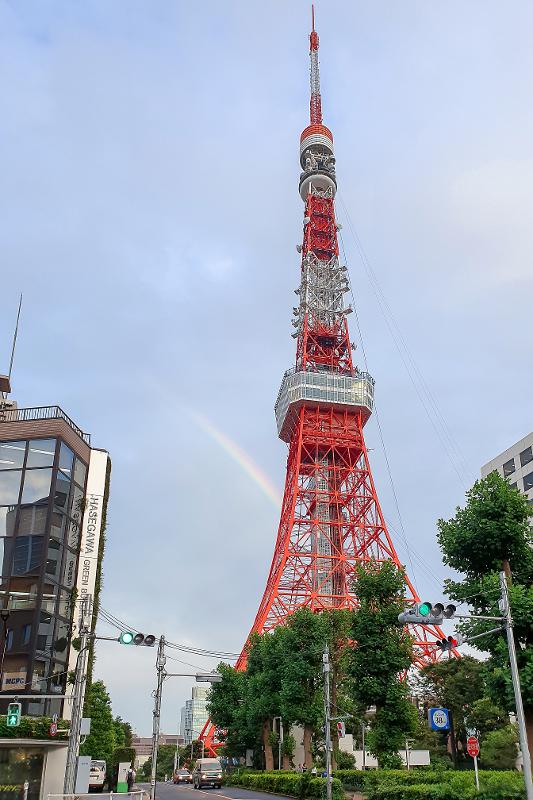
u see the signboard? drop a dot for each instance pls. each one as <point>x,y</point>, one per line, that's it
<point>472,746</point>
<point>122,779</point>
<point>82,775</point>
<point>439,719</point>
<point>52,730</point>
<point>11,681</point>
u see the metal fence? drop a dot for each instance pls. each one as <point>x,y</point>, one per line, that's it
<point>41,412</point>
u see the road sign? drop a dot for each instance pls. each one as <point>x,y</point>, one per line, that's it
<point>472,746</point>
<point>52,730</point>
<point>439,719</point>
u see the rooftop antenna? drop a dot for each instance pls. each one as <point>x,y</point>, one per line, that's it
<point>15,337</point>
<point>5,380</point>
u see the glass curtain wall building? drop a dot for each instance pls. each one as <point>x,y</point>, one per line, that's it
<point>44,467</point>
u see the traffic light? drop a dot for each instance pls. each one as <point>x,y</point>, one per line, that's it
<point>13,715</point>
<point>428,613</point>
<point>447,644</point>
<point>128,637</point>
<point>341,730</point>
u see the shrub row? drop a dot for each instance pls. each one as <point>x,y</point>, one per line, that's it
<point>428,784</point>
<point>293,784</point>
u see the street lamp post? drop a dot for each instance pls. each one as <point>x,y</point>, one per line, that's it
<point>162,674</point>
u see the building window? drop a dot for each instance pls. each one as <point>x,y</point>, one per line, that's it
<point>41,453</point>
<point>7,520</point>
<point>528,482</point>
<point>28,555</point>
<point>9,640</point>
<point>514,485</point>
<point>36,486</point>
<point>66,457</point>
<point>526,456</point>
<point>12,455</point>
<point>26,634</point>
<point>80,471</point>
<point>10,487</point>
<point>508,468</point>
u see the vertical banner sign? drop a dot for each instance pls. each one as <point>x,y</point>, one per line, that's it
<point>89,540</point>
<point>92,523</point>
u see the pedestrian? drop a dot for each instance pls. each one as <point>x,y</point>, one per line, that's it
<point>130,778</point>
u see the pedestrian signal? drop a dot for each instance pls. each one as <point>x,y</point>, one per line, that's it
<point>13,715</point>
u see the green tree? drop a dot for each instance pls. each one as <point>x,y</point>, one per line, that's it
<point>492,533</point>
<point>499,749</point>
<point>101,741</point>
<point>299,652</point>
<point>228,710</point>
<point>382,651</point>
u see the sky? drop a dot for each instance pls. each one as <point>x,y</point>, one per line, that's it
<point>149,213</point>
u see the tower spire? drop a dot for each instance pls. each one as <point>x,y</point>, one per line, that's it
<point>315,106</point>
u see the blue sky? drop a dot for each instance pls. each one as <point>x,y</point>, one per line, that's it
<point>150,211</point>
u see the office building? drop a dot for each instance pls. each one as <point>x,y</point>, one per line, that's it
<point>143,745</point>
<point>53,496</point>
<point>515,464</point>
<point>194,714</point>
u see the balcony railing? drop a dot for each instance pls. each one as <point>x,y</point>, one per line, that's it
<point>41,412</point>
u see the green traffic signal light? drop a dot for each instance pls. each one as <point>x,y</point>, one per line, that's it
<point>424,609</point>
<point>126,637</point>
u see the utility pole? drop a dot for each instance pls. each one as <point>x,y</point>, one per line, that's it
<point>327,716</point>
<point>78,696</point>
<point>522,731</point>
<point>160,668</point>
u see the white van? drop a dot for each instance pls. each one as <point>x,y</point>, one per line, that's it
<point>97,775</point>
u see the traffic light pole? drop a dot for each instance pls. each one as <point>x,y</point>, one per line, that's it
<point>522,731</point>
<point>78,695</point>
<point>327,718</point>
<point>160,668</point>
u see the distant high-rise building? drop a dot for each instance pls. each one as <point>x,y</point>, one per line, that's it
<point>53,498</point>
<point>194,714</point>
<point>515,464</point>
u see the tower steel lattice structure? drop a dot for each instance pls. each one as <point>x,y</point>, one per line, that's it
<point>331,519</point>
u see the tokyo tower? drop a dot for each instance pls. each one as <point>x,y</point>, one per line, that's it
<point>331,519</point>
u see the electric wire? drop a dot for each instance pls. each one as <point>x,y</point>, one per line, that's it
<point>444,434</point>
<point>121,625</point>
<point>389,471</point>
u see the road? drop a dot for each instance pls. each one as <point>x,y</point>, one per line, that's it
<point>168,791</point>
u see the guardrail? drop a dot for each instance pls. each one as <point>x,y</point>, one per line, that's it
<point>41,412</point>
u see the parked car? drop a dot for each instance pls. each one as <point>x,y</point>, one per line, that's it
<point>182,776</point>
<point>207,772</point>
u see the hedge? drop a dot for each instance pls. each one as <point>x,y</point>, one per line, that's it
<point>423,784</point>
<point>33,728</point>
<point>445,786</point>
<point>293,784</point>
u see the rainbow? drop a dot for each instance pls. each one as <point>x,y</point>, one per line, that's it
<point>240,457</point>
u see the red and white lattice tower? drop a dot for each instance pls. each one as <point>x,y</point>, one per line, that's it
<point>331,519</point>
